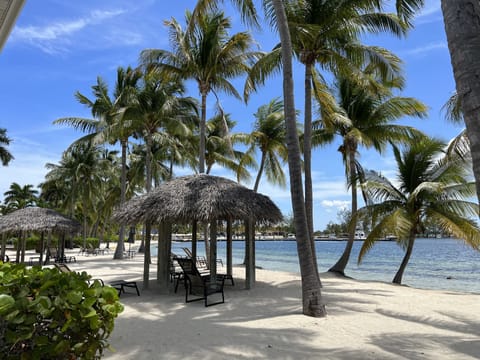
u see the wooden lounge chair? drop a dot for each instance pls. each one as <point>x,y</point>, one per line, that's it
<point>199,286</point>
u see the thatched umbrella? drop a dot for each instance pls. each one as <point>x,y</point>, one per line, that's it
<point>39,220</point>
<point>199,198</point>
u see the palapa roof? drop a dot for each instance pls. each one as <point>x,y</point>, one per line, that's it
<point>37,219</point>
<point>198,198</point>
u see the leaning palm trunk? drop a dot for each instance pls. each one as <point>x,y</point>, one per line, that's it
<point>311,288</point>
<point>463,35</point>
<point>398,276</point>
<point>342,263</point>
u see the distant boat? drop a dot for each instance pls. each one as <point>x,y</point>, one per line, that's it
<point>390,237</point>
<point>360,235</point>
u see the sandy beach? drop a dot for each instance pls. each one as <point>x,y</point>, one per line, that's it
<point>366,320</point>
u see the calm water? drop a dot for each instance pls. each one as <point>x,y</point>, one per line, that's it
<point>432,261</point>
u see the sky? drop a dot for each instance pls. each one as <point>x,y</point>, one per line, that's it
<point>59,47</point>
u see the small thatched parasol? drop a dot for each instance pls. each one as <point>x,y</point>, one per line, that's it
<point>37,219</point>
<point>201,198</point>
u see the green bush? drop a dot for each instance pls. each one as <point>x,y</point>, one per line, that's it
<point>47,314</point>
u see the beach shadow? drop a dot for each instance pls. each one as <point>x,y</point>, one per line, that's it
<point>242,328</point>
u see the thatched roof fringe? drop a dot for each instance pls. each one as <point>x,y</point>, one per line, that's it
<point>37,219</point>
<point>201,198</point>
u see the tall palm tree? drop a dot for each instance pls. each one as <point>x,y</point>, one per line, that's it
<point>161,109</point>
<point>327,33</point>
<point>5,155</point>
<point>366,116</point>
<point>269,136</point>
<point>81,172</point>
<point>19,197</point>
<point>433,185</point>
<point>206,53</point>
<point>110,124</point>
<point>311,286</point>
<point>462,31</point>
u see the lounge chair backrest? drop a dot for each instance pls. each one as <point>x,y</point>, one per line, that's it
<point>62,267</point>
<point>188,266</point>
<point>197,285</point>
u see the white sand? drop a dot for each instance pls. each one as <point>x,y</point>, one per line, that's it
<point>366,320</point>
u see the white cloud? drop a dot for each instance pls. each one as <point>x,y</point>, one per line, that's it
<point>337,204</point>
<point>59,37</point>
<point>423,50</point>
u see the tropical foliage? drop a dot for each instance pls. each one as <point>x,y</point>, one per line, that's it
<point>432,185</point>
<point>47,314</point>
<point>5,155</point>
<point>365,116</point>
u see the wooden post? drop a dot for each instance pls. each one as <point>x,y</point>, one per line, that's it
<point>229,246</point>
<point>249,255</point>
<point>213,251</point>
<point>194,241</point>
<point>163,256</point>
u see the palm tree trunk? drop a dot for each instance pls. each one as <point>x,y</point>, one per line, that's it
<point>203,125</point>
<point>260,172</point>
<point>148,226</point>
<point>307,158</point>
<point>342,263</point>
<point>462,27</point>
<point>123,185</point>
<point>84,221</point>
<point>398,276</point>
<point>311,288</point>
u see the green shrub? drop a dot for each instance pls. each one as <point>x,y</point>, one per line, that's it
<point>47,314</point>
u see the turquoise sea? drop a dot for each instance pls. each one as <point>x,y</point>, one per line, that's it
<point>445,264</point>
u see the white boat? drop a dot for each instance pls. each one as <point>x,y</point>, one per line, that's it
<point>360,235</point>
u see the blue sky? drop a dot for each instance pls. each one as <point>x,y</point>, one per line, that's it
<point>58,47</point>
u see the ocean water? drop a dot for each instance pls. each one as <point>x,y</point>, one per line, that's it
<point>446,264</point>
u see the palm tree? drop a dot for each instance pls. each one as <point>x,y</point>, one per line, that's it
<point>5,155</point>
<point>220,143</point>
<point>269,135</point>
<point>311,287</point>
<point>206,53</point>
<point>462,31</point>
<point>19,197</point>
<point>80,172</point>
<point>327,32</point>
<point>161,109</point>
<point>110,124</point>
<point>433,185</point>
<point>366,116</point>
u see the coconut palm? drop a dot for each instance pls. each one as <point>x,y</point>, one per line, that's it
<point>204,52</point>
<point>161,109</point>
<point>81,170</point>
<point>220,149</point>
<point>432,185</point>
<point>366,115</point>
<point>110,123</point>
<point>327,33</point>
<point>19,197</point>
<point>5,155</point>
<point>269,136</point>
<point>311,287</point>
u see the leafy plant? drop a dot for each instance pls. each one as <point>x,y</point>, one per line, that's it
<point>47,314</point>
